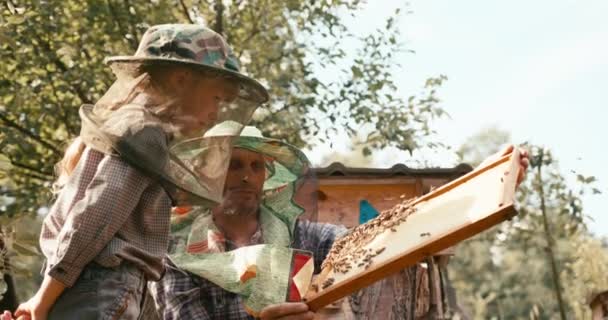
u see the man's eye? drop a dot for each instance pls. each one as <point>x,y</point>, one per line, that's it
<point>235,164</point>
<point>257,165</point>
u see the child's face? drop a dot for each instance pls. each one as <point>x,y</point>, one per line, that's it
<point>200,105</point>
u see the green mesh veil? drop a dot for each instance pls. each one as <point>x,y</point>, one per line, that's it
<point>144,123</point>
<point>267,273</point>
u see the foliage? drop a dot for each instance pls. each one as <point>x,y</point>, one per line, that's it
<point>586,273</point>
<point>52,56</point>
<point>53,53</point>
<point>485,142</point>
<point>22,259</point>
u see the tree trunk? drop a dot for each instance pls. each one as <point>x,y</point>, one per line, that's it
<point>550,242</point>
<point>219,19</point>
<point>9,299</point>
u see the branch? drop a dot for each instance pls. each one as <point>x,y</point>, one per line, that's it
<point>219,12</point>
<point>28,133</point>
<point>35,176</point>
<point>64,114</point>
<point>28,167</point>
<point>121,28</point>
<point>86,52</point>
<point>255,30</point>
<point>271,61</point>
<point>186,11</point>
<point>550,240</point>
<point>134,32</point>
<point>234,13</point>
<point>62,67</point>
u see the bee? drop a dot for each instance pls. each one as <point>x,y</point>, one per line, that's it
<point>328,282</point>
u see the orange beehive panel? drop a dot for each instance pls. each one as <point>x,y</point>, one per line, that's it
<point>339,204</point>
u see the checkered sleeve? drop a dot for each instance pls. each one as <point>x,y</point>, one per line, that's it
<point>178,295</point>
<point>108,199</point>
<point>318,238</point>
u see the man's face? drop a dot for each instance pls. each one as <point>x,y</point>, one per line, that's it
<point>201,104</point>
<point>244,182</point>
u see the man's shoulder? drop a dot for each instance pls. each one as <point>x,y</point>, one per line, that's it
<point>310,231</point>
<point>315,226</point>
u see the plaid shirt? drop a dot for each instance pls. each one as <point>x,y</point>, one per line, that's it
<point>107,212</point>
<point>182,295</point>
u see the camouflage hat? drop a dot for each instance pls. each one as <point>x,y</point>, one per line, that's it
<point>190,45</point>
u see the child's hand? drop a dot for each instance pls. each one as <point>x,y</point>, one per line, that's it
<point>32,309</point>
<point>38,307</point>
<point>8,316</point>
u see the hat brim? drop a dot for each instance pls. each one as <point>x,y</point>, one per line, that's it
<point>259,91</point>
<point>284,153</point>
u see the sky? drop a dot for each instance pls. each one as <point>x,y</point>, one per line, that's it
<point>537,69</point>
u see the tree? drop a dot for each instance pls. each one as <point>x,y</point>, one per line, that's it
<point>20,256</point>
<point>482,144</point>
<point>354,156</point>
<point>586,273</point>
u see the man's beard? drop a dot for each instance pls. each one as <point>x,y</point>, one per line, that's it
<point>230,212</point>
<point>239,210</point>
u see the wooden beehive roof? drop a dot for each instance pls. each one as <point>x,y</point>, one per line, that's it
<point>338,169</point>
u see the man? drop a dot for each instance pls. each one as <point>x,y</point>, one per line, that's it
<point>266,180</point>
<point>241,221</point>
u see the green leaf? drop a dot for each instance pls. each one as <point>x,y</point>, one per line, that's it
<point>15,20</point>
<point>366,151</point>
<point>356,72</point>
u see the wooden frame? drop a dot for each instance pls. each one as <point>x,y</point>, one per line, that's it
<point>506,167</point>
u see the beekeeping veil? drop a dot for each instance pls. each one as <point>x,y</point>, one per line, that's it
<point>273,270</point>
<point>146,122</point>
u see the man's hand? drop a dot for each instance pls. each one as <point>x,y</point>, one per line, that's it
<point>523,163</point>
<point>287,311</point>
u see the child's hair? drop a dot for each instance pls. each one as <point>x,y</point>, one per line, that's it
<point>115,97</point>
<point>65,167</point>
<point>131,81</point>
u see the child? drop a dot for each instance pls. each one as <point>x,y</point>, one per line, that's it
<point>108,230</point>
